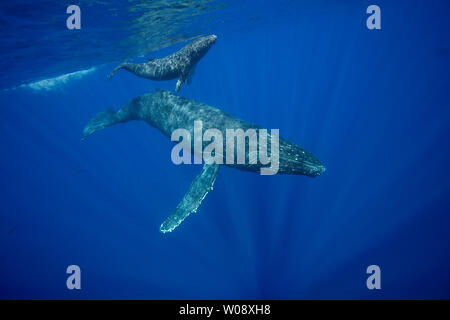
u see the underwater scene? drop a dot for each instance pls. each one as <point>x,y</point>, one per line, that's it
<point>224,149</point>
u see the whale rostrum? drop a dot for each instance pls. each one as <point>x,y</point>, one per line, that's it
<point>168,112</point>
<point>179,65</point>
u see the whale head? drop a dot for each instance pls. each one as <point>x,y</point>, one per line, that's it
<point>202,45</point>
<point>210,40</point>
<point>206,41</point>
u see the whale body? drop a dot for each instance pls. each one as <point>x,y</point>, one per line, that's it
<point>167,112</point>
<point>180,64</point>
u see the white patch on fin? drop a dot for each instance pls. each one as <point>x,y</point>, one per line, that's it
<point>179,85</point>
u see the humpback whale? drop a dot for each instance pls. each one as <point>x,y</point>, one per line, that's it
<point>180,64</point>
<point>167,112</point>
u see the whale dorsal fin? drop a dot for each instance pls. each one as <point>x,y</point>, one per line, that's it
<point>198,190</point>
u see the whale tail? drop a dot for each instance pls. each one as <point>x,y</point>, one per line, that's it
<point>100,121</point>
<point>115,70</point>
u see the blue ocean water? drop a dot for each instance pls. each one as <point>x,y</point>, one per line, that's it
<point>372,105</point>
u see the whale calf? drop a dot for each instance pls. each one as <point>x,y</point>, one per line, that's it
<point>180,64</point>
<point>167,112</point>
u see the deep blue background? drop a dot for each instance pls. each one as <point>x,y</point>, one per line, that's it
<point>373,106</point>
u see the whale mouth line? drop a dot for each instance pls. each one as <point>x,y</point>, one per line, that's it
<point>318,169</point>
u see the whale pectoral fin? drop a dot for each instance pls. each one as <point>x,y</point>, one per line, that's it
<point>179,85</point>
<point>198,190</point>
<point>191,74</point>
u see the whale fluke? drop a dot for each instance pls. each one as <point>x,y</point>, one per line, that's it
<point>114,71</point>
<point>198,190</point>
<point>100,121</point>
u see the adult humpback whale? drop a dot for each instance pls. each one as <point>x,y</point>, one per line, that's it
<point>167,112</point>
<point>180,64</point>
